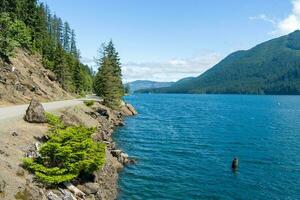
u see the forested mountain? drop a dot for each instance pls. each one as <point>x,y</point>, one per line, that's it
<point>30,25</point>
<point>145,84</point>
<point>272,67</point>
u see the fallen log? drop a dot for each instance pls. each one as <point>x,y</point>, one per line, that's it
<point>67,195</point>
<point>52,196</point>
<point>75,190</point>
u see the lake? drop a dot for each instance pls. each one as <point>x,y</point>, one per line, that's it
<point>184,146</point>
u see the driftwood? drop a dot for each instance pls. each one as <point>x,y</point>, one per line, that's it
<point>75,190</point>
<point>67,195</point>
<point>37,147</point>
<point>1,81</point>
<point>52,196</point>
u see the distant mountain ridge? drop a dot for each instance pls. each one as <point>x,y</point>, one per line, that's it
<point>272,67</point>
<point>145,84</point>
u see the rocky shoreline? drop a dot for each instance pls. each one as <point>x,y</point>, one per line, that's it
<point>102,184</point>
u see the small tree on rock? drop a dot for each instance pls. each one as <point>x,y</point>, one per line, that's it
<point>108,81</point>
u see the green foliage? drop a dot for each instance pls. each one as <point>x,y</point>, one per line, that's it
<point>108,81</point>
<point>13,33</point>
<point>30,25</point>
<point>272,67</point>
<point>54,121</point>
<point>89,103</point>
<point>69,152</point>
<point>127,89</point>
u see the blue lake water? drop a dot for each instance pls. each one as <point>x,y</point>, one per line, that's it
<point>184,145</point>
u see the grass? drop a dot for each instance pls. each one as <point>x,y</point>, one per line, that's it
<point>89,103</point>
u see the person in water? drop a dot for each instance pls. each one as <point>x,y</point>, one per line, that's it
<point>235,164</point>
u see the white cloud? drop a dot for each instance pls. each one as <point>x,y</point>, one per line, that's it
<point>285,25</point>
<point>291,22</point>
<point>264,17</point>
<point>171,70</point>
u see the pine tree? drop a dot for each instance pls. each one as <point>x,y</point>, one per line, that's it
<point>113,55</point>
<point>59,31</point>
<point>77,77</point>
<point>59,63</point>
<point>73,49</point>
<point>66,37</point>
<point>29,24</point>
<point>108,81</point>
<point>40,28</point>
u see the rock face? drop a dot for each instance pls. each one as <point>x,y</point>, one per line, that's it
<point>25,78</point>
<point>35,113</point>
<point>128,110</point>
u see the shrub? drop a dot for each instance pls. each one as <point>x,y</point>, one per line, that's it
<point>89,103</point>
<point>54,121</point>
<point>69,152</point>
<point>13,33</point>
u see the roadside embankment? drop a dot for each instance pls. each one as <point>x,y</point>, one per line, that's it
<point>20,138</point>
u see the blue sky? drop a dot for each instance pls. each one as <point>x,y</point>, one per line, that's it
<point>166,40</point>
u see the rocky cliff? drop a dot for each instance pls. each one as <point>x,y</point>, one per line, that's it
<point>25,78</point>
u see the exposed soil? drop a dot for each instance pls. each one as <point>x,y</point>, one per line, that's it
<point>26,78</point>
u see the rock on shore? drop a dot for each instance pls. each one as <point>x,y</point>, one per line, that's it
<point>102,185</point>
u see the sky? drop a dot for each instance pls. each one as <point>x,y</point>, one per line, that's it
<point>166,40</point>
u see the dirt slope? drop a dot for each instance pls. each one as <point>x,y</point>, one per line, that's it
<point>25,78</point>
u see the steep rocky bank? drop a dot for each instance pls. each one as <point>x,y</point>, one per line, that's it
<point>25,78</point>
<point>19,138</point>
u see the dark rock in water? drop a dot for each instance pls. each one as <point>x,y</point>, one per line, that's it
<point>121,123</point>
<point>122,157</point>
<point>235,164</point>
<point>35,113</point>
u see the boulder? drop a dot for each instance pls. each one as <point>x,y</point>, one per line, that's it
<point>89,188</point>
<point>122,157</point>
<point>105,112</point>
<point>51,76</point>
<point>35,113</point>
<point>128,110</point>
<point>67,120</point>
<point>131,108</point>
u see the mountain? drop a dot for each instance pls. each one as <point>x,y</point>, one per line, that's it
<point>272,67</point>
<point>144,84</point>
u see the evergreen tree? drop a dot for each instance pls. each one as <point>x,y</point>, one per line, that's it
<point>73,47</point>
<point>78,80</point>
<point>29,24</point>
<point>59,63</point>
<point>66,37</point>
<point>40,27</point>
<point>59,31</point>
<point>108,81</point>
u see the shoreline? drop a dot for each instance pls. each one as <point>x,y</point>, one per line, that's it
<point>20,137</point>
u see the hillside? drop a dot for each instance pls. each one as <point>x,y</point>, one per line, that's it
<point>25,77</point>
<point>47,42</point>
<point>145,84</point>
<point>272,67</point>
